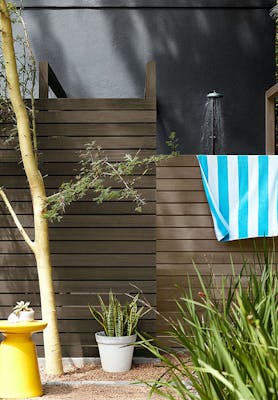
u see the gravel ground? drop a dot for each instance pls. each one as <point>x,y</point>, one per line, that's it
<point>138,372</point>
<point>76,383</point>
<point>94,392</point>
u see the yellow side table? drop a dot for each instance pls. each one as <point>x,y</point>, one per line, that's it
<point>19,372</point>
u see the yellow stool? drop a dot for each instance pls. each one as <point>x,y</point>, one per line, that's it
<point>19,372</point>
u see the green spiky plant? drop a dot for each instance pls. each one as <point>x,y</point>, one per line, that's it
<point>232,341</point>
<point>115,319</point>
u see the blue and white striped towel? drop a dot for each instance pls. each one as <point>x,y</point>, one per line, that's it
<point>242,192</point>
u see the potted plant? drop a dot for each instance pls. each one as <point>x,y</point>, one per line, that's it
<point>21,312</point>
<point>119,323</point>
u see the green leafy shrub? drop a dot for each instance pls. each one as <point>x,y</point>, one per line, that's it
<point>233,342</point>
<point>173,144</point>
<point>118,320</point>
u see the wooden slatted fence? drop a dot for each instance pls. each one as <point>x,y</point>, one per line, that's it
<point>94,248</point>
<point>185,233</point>
<point>98,247</point>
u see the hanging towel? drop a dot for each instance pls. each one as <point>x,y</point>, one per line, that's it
<point>242,193</point>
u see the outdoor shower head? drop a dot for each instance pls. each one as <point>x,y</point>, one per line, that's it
<point>214,95</point>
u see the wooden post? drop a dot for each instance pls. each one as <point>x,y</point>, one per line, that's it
<point>48,79</point>
<point>150,85</point>
<point>43,80</point>
<point>270,94</point>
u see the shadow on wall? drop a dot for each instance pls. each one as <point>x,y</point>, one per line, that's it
<point>103,52</point>
<point>47,45</point>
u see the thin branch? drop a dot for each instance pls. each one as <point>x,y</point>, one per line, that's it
<point>138,199</point>
<point>16,221</point>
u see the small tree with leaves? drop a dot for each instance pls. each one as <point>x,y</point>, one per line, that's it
<point>94,172</point>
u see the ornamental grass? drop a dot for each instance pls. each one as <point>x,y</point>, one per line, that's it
<point>231,334</point>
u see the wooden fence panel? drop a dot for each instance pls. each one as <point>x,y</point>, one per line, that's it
<point>94,248</point>
<point>185,233</point>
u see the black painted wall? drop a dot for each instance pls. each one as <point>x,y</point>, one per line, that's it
<point>99,48</point>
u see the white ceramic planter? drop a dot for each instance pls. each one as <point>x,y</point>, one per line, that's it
<point>23,316</point>
<point>26,316</point>
<point>115,352</point>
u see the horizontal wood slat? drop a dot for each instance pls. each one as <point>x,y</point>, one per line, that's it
<point>185,233</point>
<point>208,245</point>
<point>83,260</point>
<point>62,286</point>
<point>81,273</point>
<point>167,196</point>
<point>98,221</point>
<point>86,234</point>
<point>94,104</point>
<point>169,282</point>
<point>178,172</point>
<point>72,156</point>
<point>75,143</point>
<point>84,247</point>
<point>179,184</point>
<point>71,299</point>
<point>202,257</point>
<point>189,269</point>
<point>181,221</point>
<point>90,130</point>
<point>117,116</point>
<point>183,209</point>
<point>85,207</point>
<point>95,248</point>
<point>179,161</point>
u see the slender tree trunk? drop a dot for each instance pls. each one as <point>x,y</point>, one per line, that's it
<point>40,246</point>
<point>52,347</point>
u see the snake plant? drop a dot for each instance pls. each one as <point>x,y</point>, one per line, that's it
<point>116,319</point>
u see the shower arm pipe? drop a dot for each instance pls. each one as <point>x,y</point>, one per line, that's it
<point>270,96</point>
